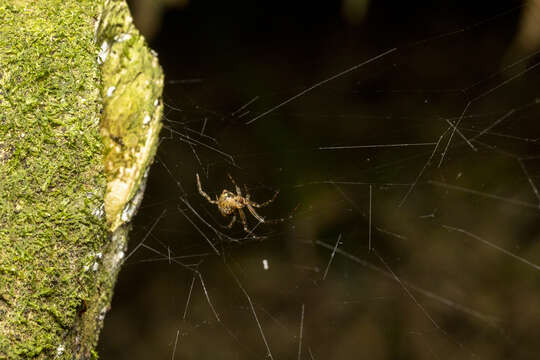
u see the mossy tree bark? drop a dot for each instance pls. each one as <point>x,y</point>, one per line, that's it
<point>80,116</point>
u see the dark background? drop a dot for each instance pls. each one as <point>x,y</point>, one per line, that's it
<point>458,296</point>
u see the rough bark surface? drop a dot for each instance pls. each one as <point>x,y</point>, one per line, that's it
<point>80,116</point>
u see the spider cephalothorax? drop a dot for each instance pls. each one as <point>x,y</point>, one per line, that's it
<point>229,202</point>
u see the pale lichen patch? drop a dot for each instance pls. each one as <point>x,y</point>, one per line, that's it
<point>131,120</point>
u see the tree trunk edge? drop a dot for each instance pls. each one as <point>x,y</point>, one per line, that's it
<point>80,114</point>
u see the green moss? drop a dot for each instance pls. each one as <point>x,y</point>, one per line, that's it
<point>58,257</point>
<point>51,172</point>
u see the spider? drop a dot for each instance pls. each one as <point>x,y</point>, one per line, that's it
<point>228,203</point>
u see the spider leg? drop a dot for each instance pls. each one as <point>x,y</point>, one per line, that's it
<point>232,222</point>
<point>201,191</point>
<point>238,191</point>
<point>275,221</point>
<point>243,220</point>
<point>254,204</point>
<point>254,213</point>
<point>250,205</point>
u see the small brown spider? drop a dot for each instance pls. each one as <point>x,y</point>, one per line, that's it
<point>228,203</point>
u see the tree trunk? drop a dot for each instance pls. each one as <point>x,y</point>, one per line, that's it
<point>80,111</point>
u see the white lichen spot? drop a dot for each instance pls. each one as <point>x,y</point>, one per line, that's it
<point>146,119</point>
<point>125,214</point>
<point>128,212</point>
<point>103,52</point>
<point>118,258</point>
<point>110,90</point>
<point>122,37</point>
<point>102,313</point>
<point>99,212</point>
<point>60,350</point>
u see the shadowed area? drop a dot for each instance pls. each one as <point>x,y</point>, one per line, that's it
<point>408,187</point>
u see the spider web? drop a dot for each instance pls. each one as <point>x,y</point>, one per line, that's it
<point>408,166</point>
